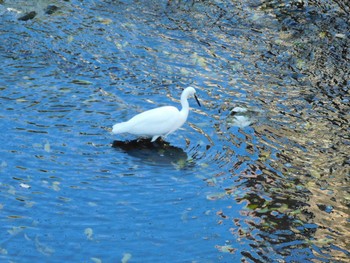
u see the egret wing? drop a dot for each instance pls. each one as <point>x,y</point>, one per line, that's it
<point>159,121</point>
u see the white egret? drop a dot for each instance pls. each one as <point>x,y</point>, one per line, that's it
<point>158,122</point>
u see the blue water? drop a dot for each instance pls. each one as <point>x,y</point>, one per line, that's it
<point>216,192</point>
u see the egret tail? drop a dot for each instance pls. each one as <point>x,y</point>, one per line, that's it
<point>120,128</point>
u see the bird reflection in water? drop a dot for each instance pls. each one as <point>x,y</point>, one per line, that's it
<point>157,153</point>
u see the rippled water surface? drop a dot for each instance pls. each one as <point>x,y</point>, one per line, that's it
<point>259,173</point>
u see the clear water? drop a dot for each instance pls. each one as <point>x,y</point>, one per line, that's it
<point>269,183</point>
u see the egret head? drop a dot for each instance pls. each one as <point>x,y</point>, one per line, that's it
<point>189,92</point>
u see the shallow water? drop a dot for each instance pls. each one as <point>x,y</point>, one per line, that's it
<point>258,174</point>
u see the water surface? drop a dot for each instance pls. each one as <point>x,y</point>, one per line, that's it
<point>258,174</point>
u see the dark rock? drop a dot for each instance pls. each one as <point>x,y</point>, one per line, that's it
<point>50,9</point>
<point>27,16</point>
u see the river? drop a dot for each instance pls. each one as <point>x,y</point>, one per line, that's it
<point>259,173</point>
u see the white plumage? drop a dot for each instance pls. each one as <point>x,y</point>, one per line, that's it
<point>158,122</point>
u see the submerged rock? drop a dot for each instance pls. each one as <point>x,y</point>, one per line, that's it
<point>28,16</point>
<point>50,9</point>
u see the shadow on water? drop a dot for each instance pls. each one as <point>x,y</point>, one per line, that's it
<point>154,153</point>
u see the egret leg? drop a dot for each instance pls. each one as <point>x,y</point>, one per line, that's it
<point>155,137</point>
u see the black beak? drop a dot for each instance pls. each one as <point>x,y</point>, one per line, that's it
<point>197,100</point>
